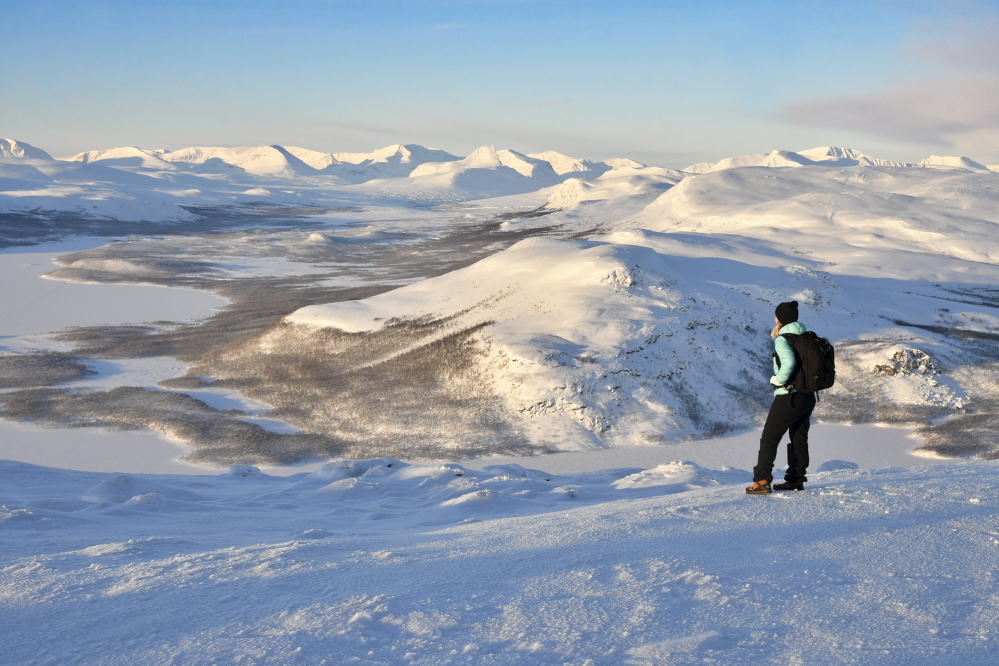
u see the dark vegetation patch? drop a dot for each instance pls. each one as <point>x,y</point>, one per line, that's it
<point>216,436</point>
<point>411,388</point>
<point>28,370</point>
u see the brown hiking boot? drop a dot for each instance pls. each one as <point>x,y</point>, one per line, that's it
<point>759,488</point>
<point>789,485</point>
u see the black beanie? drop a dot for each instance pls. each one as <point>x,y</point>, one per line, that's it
<point>787,312</point>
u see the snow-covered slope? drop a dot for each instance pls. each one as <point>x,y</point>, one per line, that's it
<point>12,149</point>
<point>583,203</point>
<point>611,185</point>
<point>842,215</point>
<point>379,562</point>
<point>642,339</point>
<point>658,331</point>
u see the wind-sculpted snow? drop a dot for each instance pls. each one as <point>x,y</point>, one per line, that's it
<point>378,561</point>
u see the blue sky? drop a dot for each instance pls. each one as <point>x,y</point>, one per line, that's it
<point>667,83</point>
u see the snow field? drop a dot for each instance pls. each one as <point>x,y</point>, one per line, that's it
<point>375,562</point>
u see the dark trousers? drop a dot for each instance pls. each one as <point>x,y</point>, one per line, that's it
<point>787,413</point>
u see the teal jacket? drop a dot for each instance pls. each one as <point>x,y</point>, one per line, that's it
<point>786,355</point>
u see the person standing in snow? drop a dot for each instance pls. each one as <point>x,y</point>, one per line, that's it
<point>790,411</point>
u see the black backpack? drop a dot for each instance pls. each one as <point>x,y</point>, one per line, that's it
<point>815,362</point>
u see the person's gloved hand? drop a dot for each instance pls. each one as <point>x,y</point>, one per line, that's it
<point>773,380</point>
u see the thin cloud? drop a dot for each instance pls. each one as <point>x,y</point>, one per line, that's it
<point>368,128</point>
<point>956,109</point>
<point>941,112</point>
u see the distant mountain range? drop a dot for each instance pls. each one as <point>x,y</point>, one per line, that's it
<point>407,161</point>
<point>133,183</point>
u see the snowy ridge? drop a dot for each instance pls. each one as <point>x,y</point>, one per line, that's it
<point>410,155</point>
<point>397,161</point>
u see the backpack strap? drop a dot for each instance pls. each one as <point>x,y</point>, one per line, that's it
<point>790,338</point>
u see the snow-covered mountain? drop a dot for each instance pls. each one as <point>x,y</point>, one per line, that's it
<point>313,158</point>
<point>396,161</point>
<point>253,160</point>
<point>485,173</point>
<point>9,148</point>
<point>900,210</point>
<point>215,175</point>
<point>951,162</point>
<point>831,156</point>
<point>274,161</point>
<point>125,157</point>
<point>93,190</point>
<point>824,156</point>
<point>619,192</point>
<point>571,166</point>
